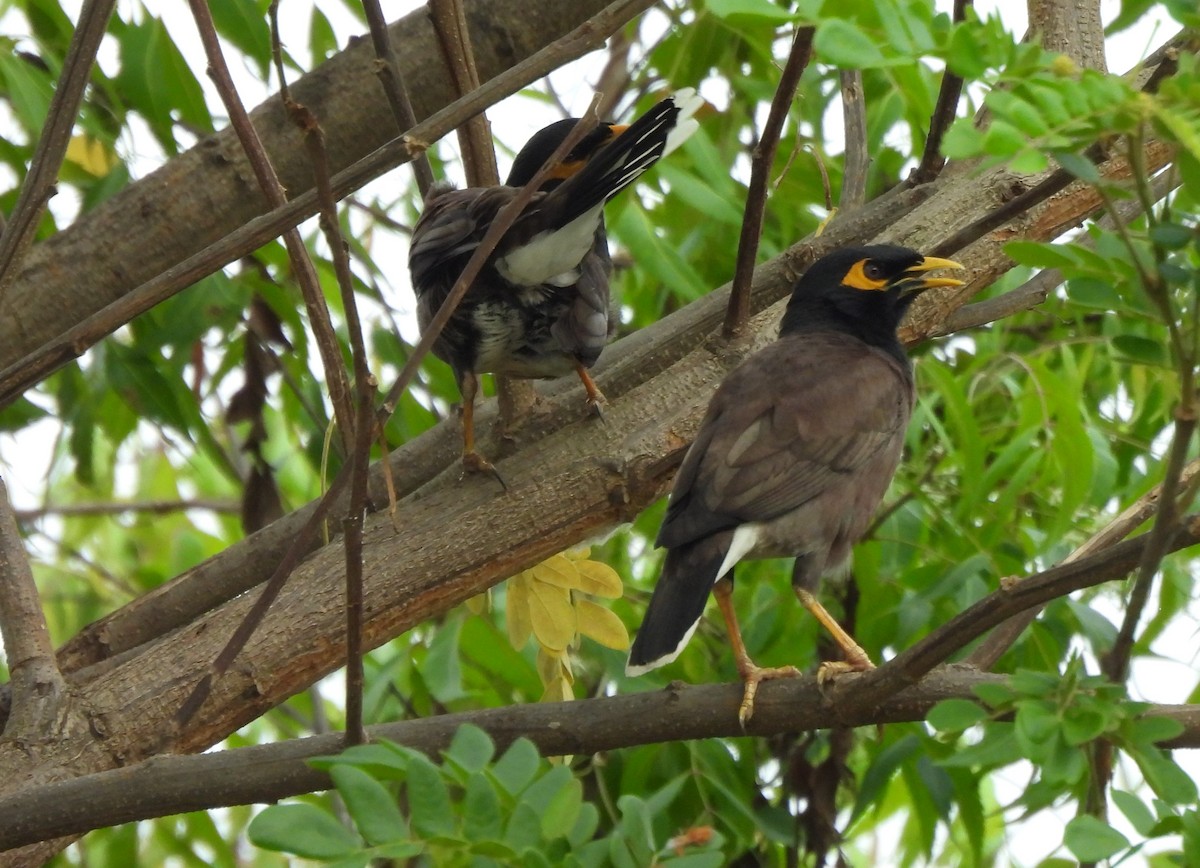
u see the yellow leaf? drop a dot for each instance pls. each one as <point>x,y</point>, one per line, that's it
<point>559,571</point>
<point>552,665</point>
<point>578,553</point>
<point>552,615</point>
<point>90,155</point>
<point>480,603</point>
<point>516,611</point>
<point>599,580</point>
<point>558,690</point>
<point>602,625</point>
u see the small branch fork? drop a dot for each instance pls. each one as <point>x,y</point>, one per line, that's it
<point>39,691</point>
<point>760,174</point>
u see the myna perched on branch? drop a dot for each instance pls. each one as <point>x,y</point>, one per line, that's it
<point>795,453</point>
<point>540,307</point>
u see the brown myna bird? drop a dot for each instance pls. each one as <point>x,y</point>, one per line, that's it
<point>795,452</point>
<point>540,307</point>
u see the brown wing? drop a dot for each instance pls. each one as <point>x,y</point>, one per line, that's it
<point>783,427</point>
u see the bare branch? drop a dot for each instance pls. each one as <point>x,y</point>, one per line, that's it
<point>38,688</point>
<point>475,136</point>
<point>39,184</point>
<point>388,70</point>
<point>909,666</point>
<point>760,175</point>
<point>857,161</point>
<point>944,112</point>
<point>272,189</point>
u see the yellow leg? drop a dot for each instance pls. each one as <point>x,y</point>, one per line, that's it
<point>595,398</point>
<point>856,658</point>
<point>750,672</point>
<point>472,461</point>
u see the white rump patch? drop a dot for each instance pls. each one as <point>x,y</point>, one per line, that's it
<point>553,256</point>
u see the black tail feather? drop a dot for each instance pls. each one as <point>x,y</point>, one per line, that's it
<point>615,166</point>
<point>679,597</point>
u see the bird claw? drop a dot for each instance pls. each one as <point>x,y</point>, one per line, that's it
<point>473,462</point>
<point>828,671</point>
<point>750,682</point>
<point>596,405</point>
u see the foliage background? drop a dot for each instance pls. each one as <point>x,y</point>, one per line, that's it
<point>209,413</point>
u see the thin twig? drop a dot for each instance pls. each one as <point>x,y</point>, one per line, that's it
<point>38,687</point>
<point>475,136</point>
<point>272,190</point>
<point>152,507</point>
<point>1115,664</point>
<point>388,70</point>
<point>39,364</point>
<point>857,161</point>
<point>944,112</point>
<point>760,175</point>
<point>364,395</point>
<point>39,184</point>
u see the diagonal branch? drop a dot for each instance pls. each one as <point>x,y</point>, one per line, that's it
<point>760,174</point>
<point>909,666</point>
<point>39,185</point>
<point>272,189</point>
<point>388,70</point>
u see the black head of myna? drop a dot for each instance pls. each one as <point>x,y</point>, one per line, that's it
<point>540,307</point>
<point>794,454</point>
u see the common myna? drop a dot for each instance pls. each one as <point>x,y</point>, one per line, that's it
<point>540,307</point>
<point>795,452</point>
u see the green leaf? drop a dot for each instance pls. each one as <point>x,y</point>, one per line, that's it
<point>1091,840</point>
<point>761,9</point>
<point>1139,816</point>
<point>371,806</point>
<point>880,772</point>
<point>1080,727</point>
<point>27,88</point>
<point>243,23</point>
<point>1079,166</point>
<point>428,799</point>
<point>1169,782</point>
<point>482,817</point>
<point>955,715</point>
<point>1142,350</point>
<point>841,43</point>
<point>442,669</point>
<point>560,815</point>
<point>302,829</point>
<point>519,765</point>
<point>471,748</point>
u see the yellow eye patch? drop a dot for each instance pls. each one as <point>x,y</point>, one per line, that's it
<point>856,277</point>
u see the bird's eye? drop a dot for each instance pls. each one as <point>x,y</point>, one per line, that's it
<point>874,271</point>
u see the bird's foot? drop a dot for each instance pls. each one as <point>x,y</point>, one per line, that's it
<point>596,403</point>
<point>751,677</point>
<point>473,462</point>
<point>831,669</point>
